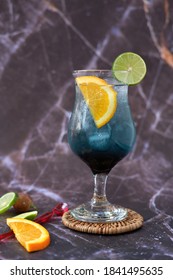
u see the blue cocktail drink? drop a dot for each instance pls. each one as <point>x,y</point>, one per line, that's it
<point>102,148</point>
<point>100,143</point>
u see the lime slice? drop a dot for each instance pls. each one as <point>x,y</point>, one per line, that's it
<point>7,200</point>
<point>129,68</point>
<point>27,215</point>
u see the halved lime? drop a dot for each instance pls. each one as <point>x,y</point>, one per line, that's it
<point>27,215</point>
<point>129,68</point>
<point>7,200</point>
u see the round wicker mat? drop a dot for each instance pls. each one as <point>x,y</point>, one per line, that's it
<point>132,222</point>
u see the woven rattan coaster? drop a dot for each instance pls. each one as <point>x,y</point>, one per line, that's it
<point>132,222</point>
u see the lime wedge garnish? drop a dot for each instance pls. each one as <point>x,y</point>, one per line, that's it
<point>7,200</point>
<point>27,215</point>
<point>129,68</point>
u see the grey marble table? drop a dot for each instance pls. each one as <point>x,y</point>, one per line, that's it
<point>41,43</point>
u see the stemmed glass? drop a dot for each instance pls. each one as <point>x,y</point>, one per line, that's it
<point>101,148</point>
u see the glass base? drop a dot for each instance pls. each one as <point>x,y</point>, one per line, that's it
<point>99,214</point>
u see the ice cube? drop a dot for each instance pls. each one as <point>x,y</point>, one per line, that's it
<point>100,139</point>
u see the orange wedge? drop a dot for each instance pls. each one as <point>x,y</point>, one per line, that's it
<point>31,235</point>
<point>100,97</point>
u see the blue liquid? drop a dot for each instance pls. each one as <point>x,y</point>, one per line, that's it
<point>102,148</point>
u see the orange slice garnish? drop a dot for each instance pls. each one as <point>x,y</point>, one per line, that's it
<point>100,97</point>
<point>31,235</point>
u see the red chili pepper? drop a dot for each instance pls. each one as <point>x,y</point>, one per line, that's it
<point>58,210</point>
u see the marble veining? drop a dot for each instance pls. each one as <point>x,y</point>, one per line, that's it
<point>41,43</point>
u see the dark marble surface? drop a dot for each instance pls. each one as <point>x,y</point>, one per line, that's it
<point>41,42</point>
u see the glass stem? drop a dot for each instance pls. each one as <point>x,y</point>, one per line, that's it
<point>99,198</point>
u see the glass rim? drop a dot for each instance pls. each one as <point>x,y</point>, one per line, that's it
<point>96,70</point>
<point>101,73</point>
